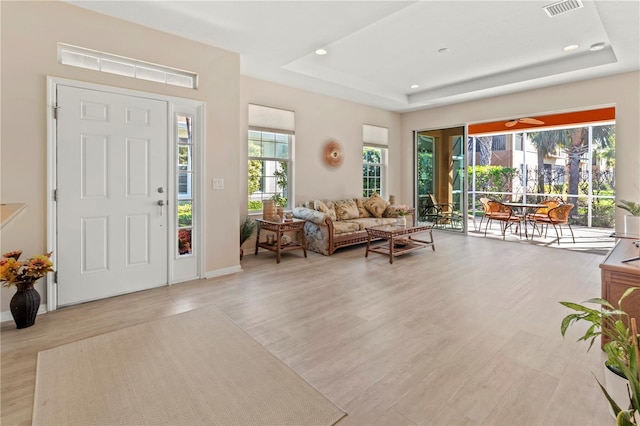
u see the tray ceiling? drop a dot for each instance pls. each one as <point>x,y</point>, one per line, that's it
<point>455,51</point>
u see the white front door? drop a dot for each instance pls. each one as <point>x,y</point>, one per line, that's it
<point>111,179</point>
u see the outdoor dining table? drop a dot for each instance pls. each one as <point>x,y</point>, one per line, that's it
<point>524,209</point>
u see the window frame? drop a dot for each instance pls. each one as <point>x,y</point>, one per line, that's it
<point>290,136</point>
<point>382,165</point>
<point>185,232</point>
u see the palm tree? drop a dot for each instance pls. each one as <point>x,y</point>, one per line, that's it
<point>546,143</point>
<point>604,136</point>
<point>483,147</point>
<point>576,148</point>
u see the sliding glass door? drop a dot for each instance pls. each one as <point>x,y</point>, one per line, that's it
<point>440,177</point>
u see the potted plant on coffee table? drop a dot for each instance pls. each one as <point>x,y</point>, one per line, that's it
<point>402,211</point>
<point>622,349</point>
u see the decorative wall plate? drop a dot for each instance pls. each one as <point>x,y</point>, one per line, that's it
<point>333,154</point>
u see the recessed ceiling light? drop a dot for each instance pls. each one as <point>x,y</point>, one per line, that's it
<point>443,50</point>
<point>321,52</point>
<point>597,46</point>
<point>415,86</point>
<point>571,47</point>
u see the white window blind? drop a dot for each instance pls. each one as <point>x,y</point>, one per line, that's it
<point>274,119</point>
<point>375,135</point>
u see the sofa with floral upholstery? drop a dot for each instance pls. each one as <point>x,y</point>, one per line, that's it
<point>332,224</point>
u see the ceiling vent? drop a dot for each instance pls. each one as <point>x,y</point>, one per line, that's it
<point>561,7</point>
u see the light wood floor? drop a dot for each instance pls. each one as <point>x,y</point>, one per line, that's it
<point>468,334</point>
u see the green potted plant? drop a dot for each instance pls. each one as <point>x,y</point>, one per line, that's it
<point>621,347</point>
<point>632,220</point>
<point>247,228</point>
<point>630,206</point>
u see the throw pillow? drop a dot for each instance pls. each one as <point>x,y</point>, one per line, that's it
<point>322,206</point>
<point>376,205</point>
<point>346,209</point>
<point>362,210</point>
<point>332,209</point>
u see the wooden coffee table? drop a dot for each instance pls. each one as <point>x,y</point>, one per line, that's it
<point>279,228</point>
<point>399,239</point>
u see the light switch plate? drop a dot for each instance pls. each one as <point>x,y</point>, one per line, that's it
<point>218,183</point>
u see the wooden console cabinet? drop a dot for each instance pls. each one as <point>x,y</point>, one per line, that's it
<point>617,276</point>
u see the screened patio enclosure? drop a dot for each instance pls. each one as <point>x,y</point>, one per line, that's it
<point>573,162</point>
<point>566,156</point>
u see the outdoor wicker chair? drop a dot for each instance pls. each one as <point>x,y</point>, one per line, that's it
<point>487,212</point>
<point>504,215</point>
<point>438,213</point>
<point>556,217</point>
<point>543,211</point>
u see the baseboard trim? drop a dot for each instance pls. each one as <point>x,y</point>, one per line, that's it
<point>6,315</point>
<point>223,271</point>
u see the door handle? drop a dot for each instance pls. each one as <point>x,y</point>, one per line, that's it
<point>161,203</point>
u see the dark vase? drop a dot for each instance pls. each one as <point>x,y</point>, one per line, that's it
<point>24,307</point>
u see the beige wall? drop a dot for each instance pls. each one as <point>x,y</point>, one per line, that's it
<point>318,119</point>
<point>621,91</point>
<point>30,32</point>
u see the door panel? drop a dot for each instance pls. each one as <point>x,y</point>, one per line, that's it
<point>95,232</point>
<point>111,160</point>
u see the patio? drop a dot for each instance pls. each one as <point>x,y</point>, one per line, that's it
<point>591,240</point>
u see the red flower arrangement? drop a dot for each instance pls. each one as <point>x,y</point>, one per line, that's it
<point>184,241</point>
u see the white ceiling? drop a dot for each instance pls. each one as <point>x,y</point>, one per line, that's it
<point>378,49</point>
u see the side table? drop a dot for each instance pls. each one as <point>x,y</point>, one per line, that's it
<point>280,228</point>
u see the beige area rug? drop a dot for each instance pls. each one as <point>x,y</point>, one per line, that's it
<point>196,368</point>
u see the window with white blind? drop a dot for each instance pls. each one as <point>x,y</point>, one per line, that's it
<point>270,154</point>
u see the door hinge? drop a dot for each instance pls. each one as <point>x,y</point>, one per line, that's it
<point>55,195</point>
<point>55,112</point>
<point>55,277</point>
